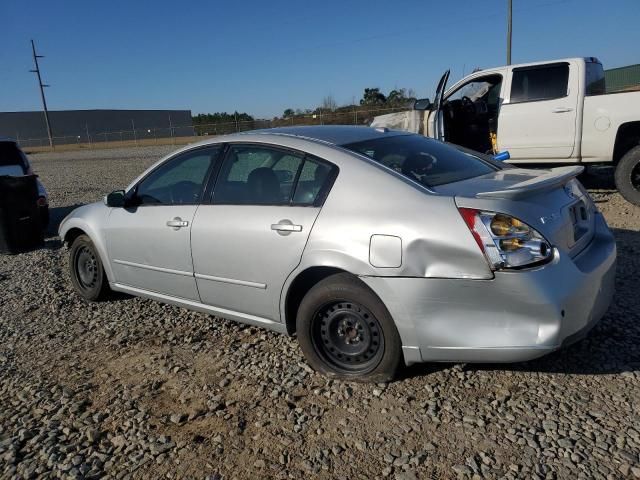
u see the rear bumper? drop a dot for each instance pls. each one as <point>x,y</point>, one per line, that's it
<point>517,316</point>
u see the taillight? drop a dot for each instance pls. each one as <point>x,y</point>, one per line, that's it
<point>41,202</point>
<point>506,241</point>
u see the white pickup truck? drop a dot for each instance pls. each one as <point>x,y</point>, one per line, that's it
<point>554,112</point>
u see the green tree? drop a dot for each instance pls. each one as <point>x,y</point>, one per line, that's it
<point>288,113</point>
<point>400,97</point>
<point>373,96</point>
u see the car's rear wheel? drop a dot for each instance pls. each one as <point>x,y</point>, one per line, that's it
<point>87,272</point>
<point>345,331</point>
<point>627,176</point>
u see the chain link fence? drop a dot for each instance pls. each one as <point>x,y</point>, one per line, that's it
<point>150,135</point>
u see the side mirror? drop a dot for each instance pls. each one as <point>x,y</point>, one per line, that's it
<point>422,104</point>
<point>115,199</point>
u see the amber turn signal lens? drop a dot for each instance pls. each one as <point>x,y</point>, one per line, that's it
<point>511,244</point>
<point>503,225</point>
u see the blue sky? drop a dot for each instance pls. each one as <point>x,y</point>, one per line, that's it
<point>264,56</point>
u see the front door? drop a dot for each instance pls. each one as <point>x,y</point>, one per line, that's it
<point>435,125</point>
<point>149,240</point>
<point>538,121</point>
<point>247,241</point>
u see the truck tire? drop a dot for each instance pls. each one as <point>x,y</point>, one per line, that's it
<point>627,176</point>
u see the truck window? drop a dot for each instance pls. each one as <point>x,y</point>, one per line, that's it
<point>595,79</point>
<point>543,82</point>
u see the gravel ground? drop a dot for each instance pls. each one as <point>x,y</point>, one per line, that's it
<point>134,388</point>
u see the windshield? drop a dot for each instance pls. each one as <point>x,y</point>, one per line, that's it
<point>10,155</point>
<point>423,160</point>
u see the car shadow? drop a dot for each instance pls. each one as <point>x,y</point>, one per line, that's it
<point>56,215</point>
<point>612,347</point>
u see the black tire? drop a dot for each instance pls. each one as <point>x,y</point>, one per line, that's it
<point>44,217</point>
<point>346,332</point>
<point>627,176</point>
<point>87,272</point>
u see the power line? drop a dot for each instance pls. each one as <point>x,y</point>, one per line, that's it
<point>509,29</point>
<point>42,87</point>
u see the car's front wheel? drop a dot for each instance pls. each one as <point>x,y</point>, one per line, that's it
<point>87,272</point>
<point>345,331</point>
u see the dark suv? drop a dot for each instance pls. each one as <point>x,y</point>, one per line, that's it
<point>14,163</point>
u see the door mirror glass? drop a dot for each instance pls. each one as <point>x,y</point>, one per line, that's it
<point>422,104</point>
<point>115,199</point>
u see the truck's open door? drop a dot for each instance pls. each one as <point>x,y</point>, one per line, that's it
<point>436,122</point>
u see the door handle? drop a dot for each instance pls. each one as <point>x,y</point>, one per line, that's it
<point>286,227</point>
<point>177,223</point>
<point>562,110</point>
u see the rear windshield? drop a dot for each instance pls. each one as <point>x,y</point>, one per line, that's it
<point>10,155</point>
<point>426,161</point>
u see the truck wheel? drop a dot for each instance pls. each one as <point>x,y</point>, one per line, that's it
<point>627,176</point>
<point>346,332</point>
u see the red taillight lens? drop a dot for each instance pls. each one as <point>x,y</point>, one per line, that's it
<point>41,202</point>
<point>469,216</point>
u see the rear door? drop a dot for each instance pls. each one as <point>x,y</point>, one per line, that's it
<point>251,235</point>
<point>149,241</point>
<point>538,118</point>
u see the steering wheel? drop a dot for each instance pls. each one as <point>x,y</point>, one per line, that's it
<point>183,192</point>
<point>468,106</point>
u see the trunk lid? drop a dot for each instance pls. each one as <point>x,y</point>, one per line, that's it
<point>551,201</point>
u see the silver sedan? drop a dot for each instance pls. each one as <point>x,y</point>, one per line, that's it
<point>376,248</point>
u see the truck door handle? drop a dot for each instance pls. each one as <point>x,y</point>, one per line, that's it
<point>562,110</point>
<point>285,227</point>
<point>177,223</point>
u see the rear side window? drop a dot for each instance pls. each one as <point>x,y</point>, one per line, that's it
<point>261,175</point>
<point>544,82</point>
<point>595,79</point>
<point>423,160</point>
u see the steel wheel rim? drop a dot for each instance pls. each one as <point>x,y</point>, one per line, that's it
<point>86,267</point>
<point>348,337</point>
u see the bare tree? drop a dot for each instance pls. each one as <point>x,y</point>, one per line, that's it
<point>329,103</point>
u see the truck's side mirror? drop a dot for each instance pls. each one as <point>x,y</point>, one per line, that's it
<point>115,199</point>
<point>422,104</point>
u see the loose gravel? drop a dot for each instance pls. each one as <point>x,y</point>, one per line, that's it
<point>132,388</point>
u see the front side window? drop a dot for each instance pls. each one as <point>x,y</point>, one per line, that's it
<point>484,88</point>
<point>423,160</point>
<point>179,181</point>
<point>544,82</point>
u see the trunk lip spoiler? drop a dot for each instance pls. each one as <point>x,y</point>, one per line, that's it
<point>556,177</point>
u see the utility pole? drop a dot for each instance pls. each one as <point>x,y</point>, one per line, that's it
<point>42,87</point>
<point>509,29</point>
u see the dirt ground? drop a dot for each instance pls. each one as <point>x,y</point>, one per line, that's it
<point>131,388</point>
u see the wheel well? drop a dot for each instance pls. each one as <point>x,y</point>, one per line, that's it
<point>628,136</point>
<point>71,235</point>
<point>299,288</point>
